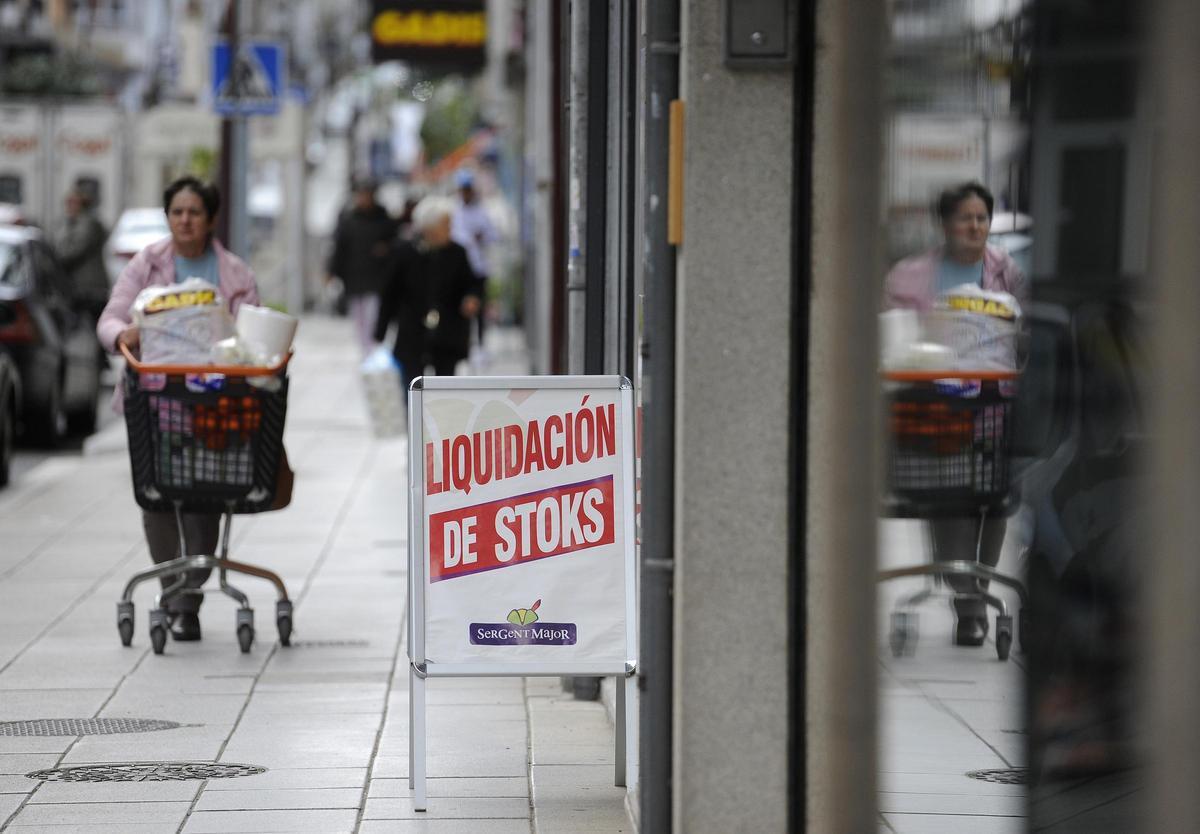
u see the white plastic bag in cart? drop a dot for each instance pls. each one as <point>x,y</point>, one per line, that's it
<point>385,397</point>
<point>979,325</point>
<point>181,322</point>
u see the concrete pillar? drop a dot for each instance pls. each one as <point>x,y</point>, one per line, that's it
<point>732,439</point>
<point>1171,569</point>
<point>842,427</point>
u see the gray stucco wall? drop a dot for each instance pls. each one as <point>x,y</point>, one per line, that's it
<point>734,282</point>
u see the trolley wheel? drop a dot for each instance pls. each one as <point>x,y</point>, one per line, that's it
<point>283,621</point>
<point>1024,637</point>
<point>903,636</point>
<point>245,636</point>
<point>284,624</point>
<point>158,638</point>
<point>125,622</point>
<point>1004,635</point>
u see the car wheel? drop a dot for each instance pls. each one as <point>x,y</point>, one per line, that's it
<point>49,427</point>
<point>8,431</point>
<point>82,421</point>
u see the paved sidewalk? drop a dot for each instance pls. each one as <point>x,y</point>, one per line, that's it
<point>326,718</point>
<point>946,711</point>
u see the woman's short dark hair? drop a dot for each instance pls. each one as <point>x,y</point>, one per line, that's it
<point>207,192</point>
<point>949,199</point>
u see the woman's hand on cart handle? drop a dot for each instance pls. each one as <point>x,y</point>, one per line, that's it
<point>131,338</point>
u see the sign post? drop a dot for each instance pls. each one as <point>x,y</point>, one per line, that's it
<point>521,539</point>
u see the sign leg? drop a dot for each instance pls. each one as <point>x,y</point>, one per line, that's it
<point>418,740</point>
<point>412,729</point>
<point>629,687</point>
<point>622,739</point>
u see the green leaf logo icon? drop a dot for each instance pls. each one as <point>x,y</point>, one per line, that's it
<point>524,616</point>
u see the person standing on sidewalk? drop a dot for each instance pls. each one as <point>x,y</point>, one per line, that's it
<point>79,244</point>
<point>362,258</point>
<point>965,212</point>
<point>432,296</point>
<point>472,229</point>
<point>190,251</point>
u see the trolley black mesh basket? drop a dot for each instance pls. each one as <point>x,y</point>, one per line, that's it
<point>212,444</point>
<point>949,453</point>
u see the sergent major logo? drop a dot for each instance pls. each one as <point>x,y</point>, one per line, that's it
<point>524,628</point>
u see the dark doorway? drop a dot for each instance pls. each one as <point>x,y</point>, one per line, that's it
<point>1092,206</point>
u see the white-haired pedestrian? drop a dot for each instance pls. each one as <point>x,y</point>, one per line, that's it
<point>432,296</point>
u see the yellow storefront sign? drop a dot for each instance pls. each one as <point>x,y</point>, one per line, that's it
<point>430,29</point>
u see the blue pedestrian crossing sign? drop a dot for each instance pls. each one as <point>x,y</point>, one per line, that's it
<point>253,83</point>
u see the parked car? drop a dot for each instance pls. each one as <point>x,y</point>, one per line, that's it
<point>1082,437</point>
<point>136,229</point>
<point>53,344</point>
<point>1013,232</point>
<point>10,411</point>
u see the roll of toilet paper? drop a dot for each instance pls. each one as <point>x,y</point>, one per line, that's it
<point>264,335</point>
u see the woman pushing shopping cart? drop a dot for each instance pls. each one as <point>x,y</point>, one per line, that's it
<point>205,441</point>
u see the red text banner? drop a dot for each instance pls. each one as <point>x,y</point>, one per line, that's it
<point>524,528</point>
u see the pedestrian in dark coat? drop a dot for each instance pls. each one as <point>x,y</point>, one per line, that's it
<point>362,258</point>
<point>79,243</point>
<point>432,296</point>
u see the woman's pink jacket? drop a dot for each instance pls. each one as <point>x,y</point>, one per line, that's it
<point>912,282</point>
<point>154,266</point>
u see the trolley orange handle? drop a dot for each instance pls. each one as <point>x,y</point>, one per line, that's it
<point>226,370</point>
<point>934,376</point>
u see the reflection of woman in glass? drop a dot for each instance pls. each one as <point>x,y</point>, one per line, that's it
<point>965,212</point>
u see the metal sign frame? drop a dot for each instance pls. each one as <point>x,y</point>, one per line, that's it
<point>421,668</point>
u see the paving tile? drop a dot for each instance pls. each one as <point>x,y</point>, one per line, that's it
<point>570,754</point>
<point>479,764</point>
<point>441,826</point>
<point>16,784</point>
<point>94,828</point>
<point>24,705</point>
<point>57,793</point>
<point>34,744</point>
<point>953,824</point>
<point>599,816</point>
<point>20,764</point>
<point>263,822</point>
<point>294,779</point>
<point>447,808</point>
<point>159,748</point>
<point>941,783</point>
<point>278,799</point>
<point>10,803</point>
<point>935,803</point>
<point>107,813</point>
<point>516,787</point>
<point>295,757</point>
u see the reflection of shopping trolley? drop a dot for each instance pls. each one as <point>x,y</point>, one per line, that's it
<point>204,440</point>
<point>950,443</point>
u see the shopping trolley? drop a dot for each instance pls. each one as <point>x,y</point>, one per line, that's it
<point>950,456</point>
<point>204,439</point>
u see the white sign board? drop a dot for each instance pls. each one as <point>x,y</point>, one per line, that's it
<point>521,538</point>
<point>523,525</point>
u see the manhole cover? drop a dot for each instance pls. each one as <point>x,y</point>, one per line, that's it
<point>1007,776</point>
<point>329,644</point>
<point>146,772</point>
<point>83,726</point>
